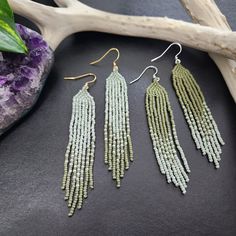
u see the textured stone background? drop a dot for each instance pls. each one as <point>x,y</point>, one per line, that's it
<point>32,154</point>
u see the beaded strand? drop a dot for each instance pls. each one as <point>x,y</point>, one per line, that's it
<point>118,144</point>
<point>203,128</point>
<point>164,137</point>
<point>79,156</point>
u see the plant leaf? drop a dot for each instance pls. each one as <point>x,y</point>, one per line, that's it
<point>5,9</point>
<point>10,40</point>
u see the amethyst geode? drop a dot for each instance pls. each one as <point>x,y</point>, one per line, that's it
<point>22,77</point>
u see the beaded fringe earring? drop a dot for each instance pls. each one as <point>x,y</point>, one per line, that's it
<point>202,125</point>
<point>79,157</point>
<point>169,154</point>
<point>118,144</point>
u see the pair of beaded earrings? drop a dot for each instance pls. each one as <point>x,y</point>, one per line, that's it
<point>79,157</point>
<point>161,123</point>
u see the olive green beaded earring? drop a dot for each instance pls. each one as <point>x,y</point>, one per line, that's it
<point>118,145</point>
<point>169,154</point>
<point>198,116</point>
<point>79,157</point>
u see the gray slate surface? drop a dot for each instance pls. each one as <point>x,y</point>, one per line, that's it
<point>32,154</point>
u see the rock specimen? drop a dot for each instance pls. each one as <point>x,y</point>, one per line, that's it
<point>22,77</point>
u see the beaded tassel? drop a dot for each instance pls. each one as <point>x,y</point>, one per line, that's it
<point>164,137</point>
<point>79,157</point>
<point>200,121</point>
<point>118,145</point>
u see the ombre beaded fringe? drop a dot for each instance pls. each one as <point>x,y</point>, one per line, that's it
<point>79,157</point>
<point>164,137</point>
<point>200,121</point>
<point>118,145</point>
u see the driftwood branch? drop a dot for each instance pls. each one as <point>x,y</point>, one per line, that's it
<point>213,36</point>
<point>207,13</point>
<point>57,23</point>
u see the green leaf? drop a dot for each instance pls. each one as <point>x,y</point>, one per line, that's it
<point>10,40</point>
<point>5,9</point>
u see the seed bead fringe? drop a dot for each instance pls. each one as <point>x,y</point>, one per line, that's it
<point>203,128</point>
<point>164,137</point>
<point>118,144</point>
<point>79,156</point>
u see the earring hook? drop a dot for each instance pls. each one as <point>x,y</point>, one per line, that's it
<point>177,60</point>
<point>148,67</point>
<point>82,76</point>
<point>105,54</point>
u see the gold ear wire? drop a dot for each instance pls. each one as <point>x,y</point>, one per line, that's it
<point>107,52</point>
<point>82,76</point>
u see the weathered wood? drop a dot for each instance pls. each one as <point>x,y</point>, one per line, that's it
<point>207,13</point>
<point>73,16</point>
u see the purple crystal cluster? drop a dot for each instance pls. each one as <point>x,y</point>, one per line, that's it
<point>22,77</point>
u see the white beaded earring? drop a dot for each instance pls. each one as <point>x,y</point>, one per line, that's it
<point>118,145</point>
<point>79,157</point>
